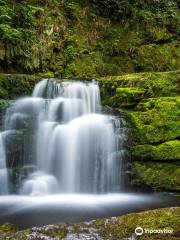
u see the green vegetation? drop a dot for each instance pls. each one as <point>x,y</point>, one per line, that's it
<point>126,44</point>
<point>17,85</point>
<point>151,104</point>
<point>7,228</point>
<point>150,84</point>
<point>168,151</point>
<point>132,47</point>
<point>156,120</point>
<point>88,39</point>
<point>160,176</point>
<point>149,101</point>
<point>124,226</point>
<point>18,33</point>
<point>114,228</point>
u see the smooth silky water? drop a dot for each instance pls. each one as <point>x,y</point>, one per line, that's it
<point>62,159</point>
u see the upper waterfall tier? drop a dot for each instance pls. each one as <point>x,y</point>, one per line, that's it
<point>85,96</point>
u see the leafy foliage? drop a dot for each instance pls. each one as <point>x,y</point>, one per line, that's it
<point>116,9</point>
<point>162,13</point>
<point>17,33</point>
<point>84,38</point>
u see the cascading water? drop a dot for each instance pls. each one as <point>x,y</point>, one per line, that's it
<point>60,142</point>
<point>63,159</point>
<point>3,169</point>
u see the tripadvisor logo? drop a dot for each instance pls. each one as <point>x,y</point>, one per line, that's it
<point>140,231</point>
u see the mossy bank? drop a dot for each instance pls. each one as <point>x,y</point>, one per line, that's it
<point>151,104</point>
<point>114,228</point>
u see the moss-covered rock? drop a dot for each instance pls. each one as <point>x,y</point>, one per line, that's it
<point>4,104</point>
<point>123,227</point>
<point>153,84</point>
<point>125,97</point>
<point>113,228</point>
<point>168,151</point>
<point>156,130</point>
<point>151,104</point>
<point>156,120</point>
<point>162,176</point>
<point>7,229</point>
<point>17,85</point>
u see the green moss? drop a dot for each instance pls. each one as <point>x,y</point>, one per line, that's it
<point>124,97</point>
<point>153,115</point>
<point>64,37</point>
<point>46,75</point>
<point>7,227</point>
<point>113,228</point>
<point>130,92</point>
<point>124,226</point>
<point>6,230</point>
<point>157,120</point>
<point>4,104</point>
<point>3,93</point>
<point>162,176</point>
<point>154,120</point>
<point>153,57</point>
<point>155,84</point>
<point>16,85</point>
<point>168,151</point>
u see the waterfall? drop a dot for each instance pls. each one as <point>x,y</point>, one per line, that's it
<point>65,141</point>
<point>3,169</point>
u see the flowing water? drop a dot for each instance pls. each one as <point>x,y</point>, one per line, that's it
<point>64,142</point>
<point>63,159</point>
<point>3,168</point>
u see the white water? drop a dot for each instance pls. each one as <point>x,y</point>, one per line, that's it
<point>72,146</point>
<point>3,169</point>
<point>39,184</point>
<point>28,211</point>
<point>58,144</point>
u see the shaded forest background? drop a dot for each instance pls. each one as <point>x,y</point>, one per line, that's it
<point>84,38</point>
